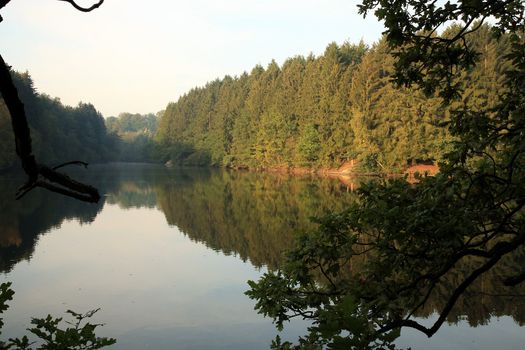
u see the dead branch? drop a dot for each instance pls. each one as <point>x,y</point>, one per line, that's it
<point>72,2</point>
<point>2,4</point>
<point>83,9</point>
<point>73,162</point>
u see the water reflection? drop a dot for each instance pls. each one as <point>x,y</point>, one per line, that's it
<point>486,299</point>
<point>251,215</point>
<point>129,259</point>
<point>21,222</point>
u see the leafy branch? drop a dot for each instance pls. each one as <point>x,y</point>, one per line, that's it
<point>81,336</point>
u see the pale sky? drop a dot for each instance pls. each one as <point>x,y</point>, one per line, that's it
<point>136,56</point>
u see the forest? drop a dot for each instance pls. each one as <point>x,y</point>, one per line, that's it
<point>60,133</point>
<point>319,112</point>
<point>135,136</point>
<point>310,112</point>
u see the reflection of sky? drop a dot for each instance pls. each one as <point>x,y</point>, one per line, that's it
<point>160,290</point>
<point>154,285</point>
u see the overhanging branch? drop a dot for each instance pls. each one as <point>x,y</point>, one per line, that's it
<point>83,9</point>
<point>497,253</point>
<point>72,2</point>
<point>2,4</point>
<point>38,175</point>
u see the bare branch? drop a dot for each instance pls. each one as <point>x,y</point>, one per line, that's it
<point>3,3</point>
<point>69,183</point>
<point>58,182</point>
<point>67,192</point>
<point>25,189</point>
<point>73,162</point>
<point>83,9</point>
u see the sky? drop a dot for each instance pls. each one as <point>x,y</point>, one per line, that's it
<point>136,56</point>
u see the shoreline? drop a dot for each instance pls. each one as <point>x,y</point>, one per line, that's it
<point>410,171</point>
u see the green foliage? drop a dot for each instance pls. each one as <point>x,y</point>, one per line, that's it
<point>6,294</point>
<point>134,137</point>
<point>132,123</point>
<point>309,144</point>
<point>80,335</point>
<point>319,112</point>
<point>371,269</point>
<point>62,133</point>
<point>367,270</point>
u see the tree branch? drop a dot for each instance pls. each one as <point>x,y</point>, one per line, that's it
<point>80,8</point>
<point>2,4</point>
<point>37,174</point>
<point>498,252</point>
<point>73,162</point>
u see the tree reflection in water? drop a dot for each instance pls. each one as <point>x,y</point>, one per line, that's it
<point>250,215</point>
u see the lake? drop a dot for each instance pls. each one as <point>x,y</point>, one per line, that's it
<point>167,252</point>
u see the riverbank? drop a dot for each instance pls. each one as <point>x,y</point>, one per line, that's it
<point>347,169</point>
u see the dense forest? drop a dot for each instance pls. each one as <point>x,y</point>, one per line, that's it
<point>318,112</point>
<point>60,133</point>
<point>310,112</point>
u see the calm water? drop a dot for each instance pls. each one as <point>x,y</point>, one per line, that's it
<point>166,255</point>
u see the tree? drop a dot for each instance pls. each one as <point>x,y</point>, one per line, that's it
<point>365,273</point>
<point>39,175</point>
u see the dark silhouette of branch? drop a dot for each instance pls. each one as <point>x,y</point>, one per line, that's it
<point>38,175</point>
<point>80,8</point>
<point>499,250</point>
<point>2,4</point>
<point>72,2</point>
<point>73,162</point>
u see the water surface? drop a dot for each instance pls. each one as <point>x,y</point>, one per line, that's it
<point>167,252</point>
